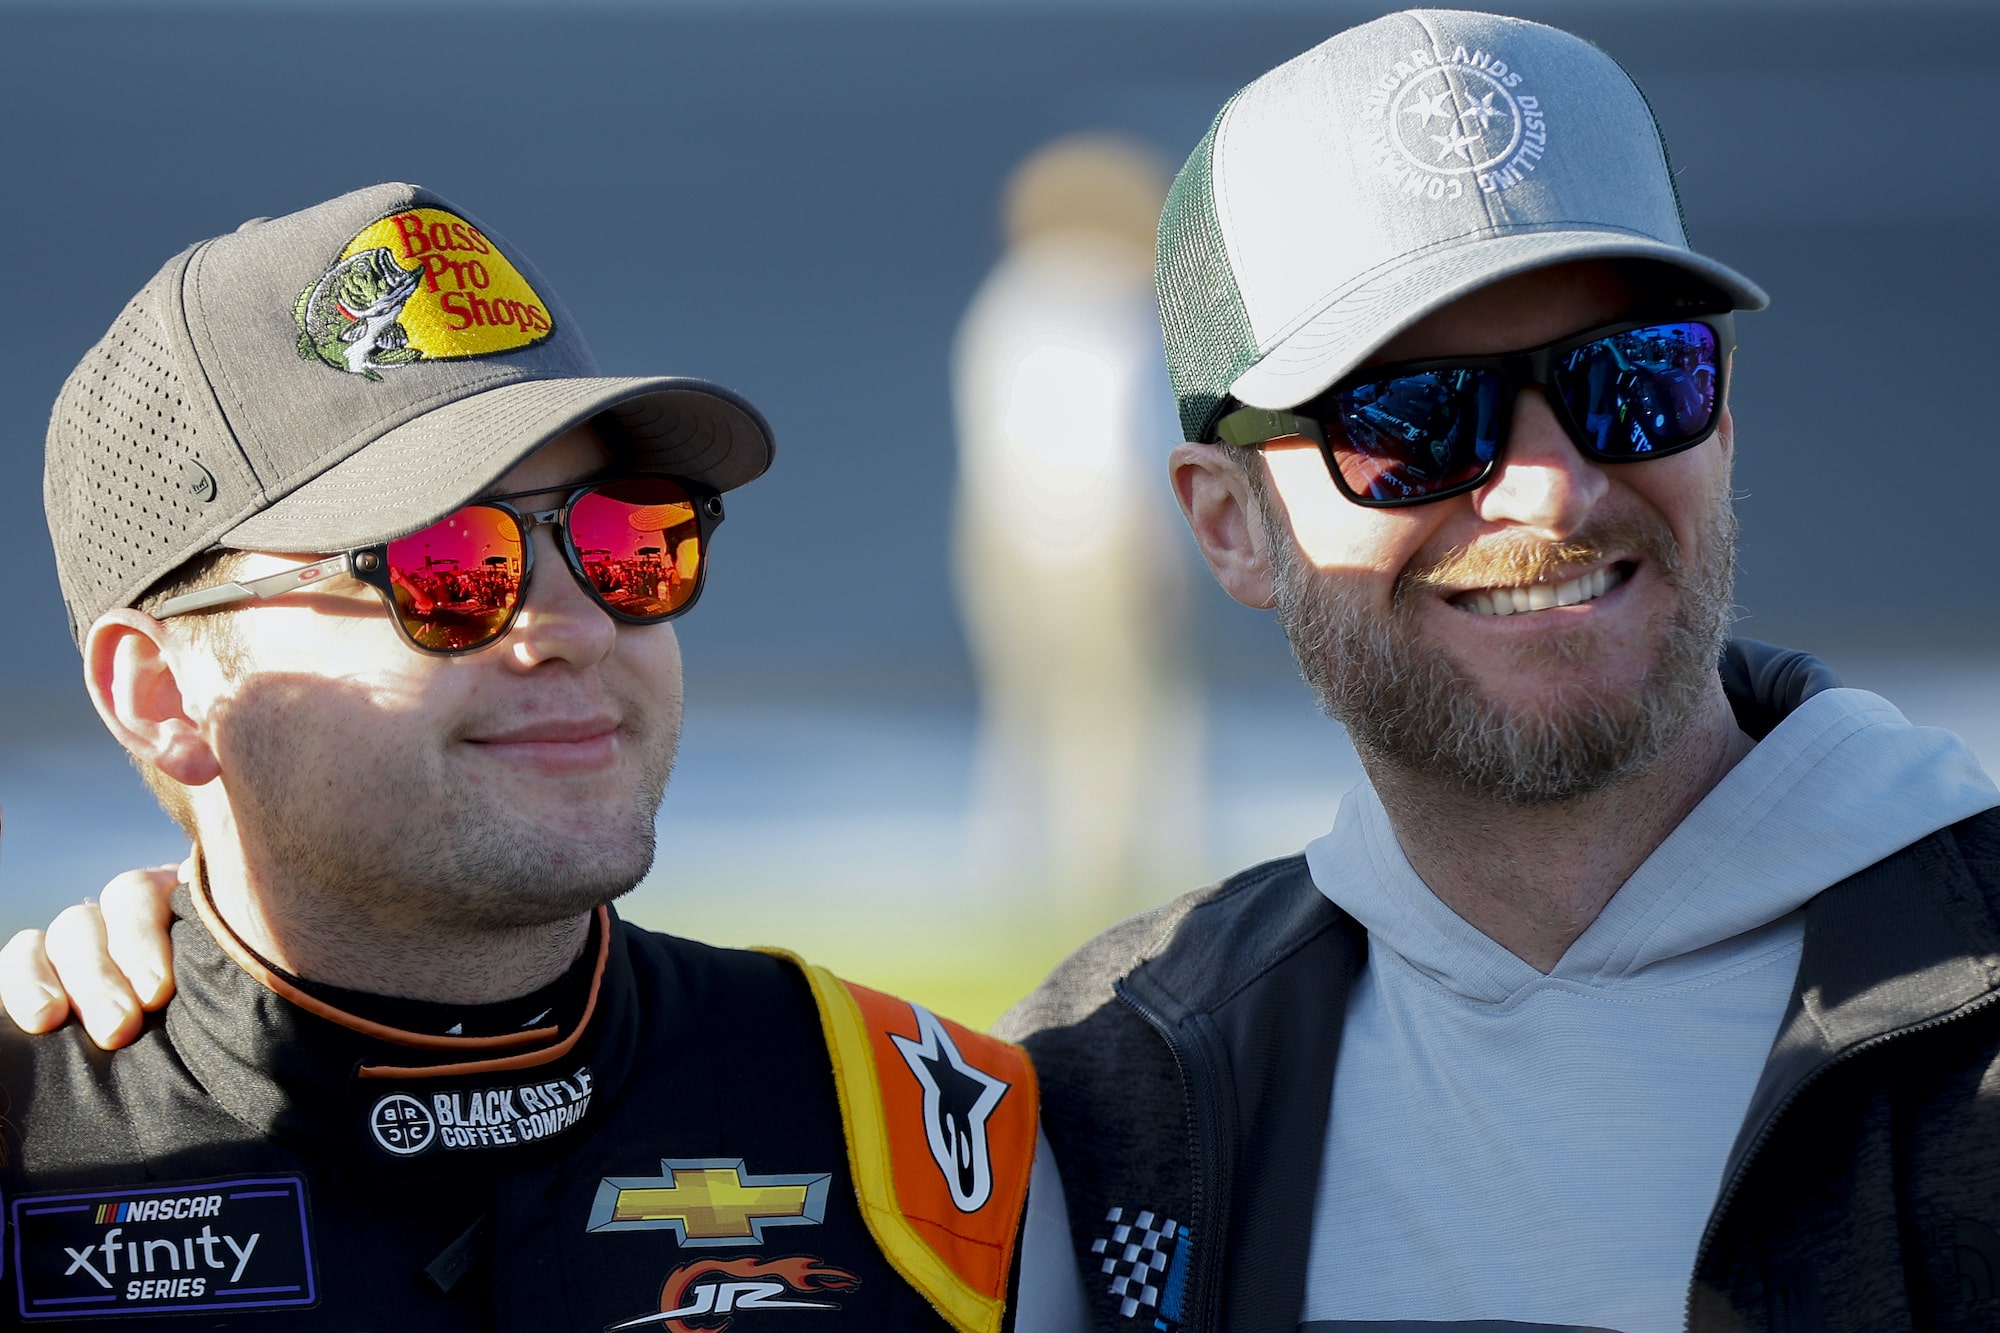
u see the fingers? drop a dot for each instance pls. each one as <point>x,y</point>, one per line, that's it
<point>107,1006</point>
<point>137,911</point>
<point>109,964</point>
<point>29,991</point>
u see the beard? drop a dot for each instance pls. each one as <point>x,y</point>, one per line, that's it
<point>1407,704</point>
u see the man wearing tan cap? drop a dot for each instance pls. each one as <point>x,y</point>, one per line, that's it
<point>371,572</point>
<point>1649,982</point>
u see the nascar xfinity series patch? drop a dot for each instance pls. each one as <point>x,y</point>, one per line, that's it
<point>163,1249</point>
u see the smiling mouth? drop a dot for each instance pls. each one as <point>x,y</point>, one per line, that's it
<point>1543,596</point>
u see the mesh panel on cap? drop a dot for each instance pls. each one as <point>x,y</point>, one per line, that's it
<point>1666,157</point>
<point>122,512</point>
<point>1202,319</point>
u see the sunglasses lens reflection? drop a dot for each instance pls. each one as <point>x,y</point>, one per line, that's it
<point>1643,391</point>
<point>640,545</point>
<point>1404,437</point>
<point>457,582</point>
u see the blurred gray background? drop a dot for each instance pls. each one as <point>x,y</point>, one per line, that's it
<point>798,200</point>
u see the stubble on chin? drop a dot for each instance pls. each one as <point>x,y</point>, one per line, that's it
<point>1408,704</point>
<point>418,840</point>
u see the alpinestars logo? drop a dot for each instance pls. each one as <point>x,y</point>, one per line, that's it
<point>695,1294</point>
<point>1446,122</point>
<point>958,1099</point>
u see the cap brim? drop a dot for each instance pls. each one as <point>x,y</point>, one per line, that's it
<point>1342,334</point>
<point>426,467</point>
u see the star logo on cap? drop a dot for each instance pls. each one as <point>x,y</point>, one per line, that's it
<point>1430,108</point>
<point>1483,111</point>
<point>1459,145</point>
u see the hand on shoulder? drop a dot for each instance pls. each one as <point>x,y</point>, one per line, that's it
<point>105,962</point>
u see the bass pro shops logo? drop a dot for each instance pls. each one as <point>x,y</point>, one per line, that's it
<point>423,285</point>
<point>703,1297</point>
<point>1446,124</point>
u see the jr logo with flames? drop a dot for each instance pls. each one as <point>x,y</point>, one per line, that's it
<point>704,1296</point>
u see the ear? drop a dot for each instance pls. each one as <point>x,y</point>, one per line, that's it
<point>1215,497</point>
<point>130,667</point>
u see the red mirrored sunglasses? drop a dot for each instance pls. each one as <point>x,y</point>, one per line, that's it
<point>637,545</point>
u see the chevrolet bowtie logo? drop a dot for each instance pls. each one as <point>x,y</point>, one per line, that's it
<point>710,1201</point>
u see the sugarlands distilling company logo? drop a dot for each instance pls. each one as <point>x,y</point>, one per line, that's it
<point>421,285</point>
<point>1446,124</point>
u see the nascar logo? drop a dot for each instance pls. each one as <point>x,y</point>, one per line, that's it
<point>159,1210</point>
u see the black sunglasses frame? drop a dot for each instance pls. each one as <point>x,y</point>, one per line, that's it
<point>1253,427</point>
<point>370,564</point>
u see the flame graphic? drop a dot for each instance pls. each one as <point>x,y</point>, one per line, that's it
<point>802,1273</point>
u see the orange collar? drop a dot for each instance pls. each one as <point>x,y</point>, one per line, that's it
<point>544,1044</point>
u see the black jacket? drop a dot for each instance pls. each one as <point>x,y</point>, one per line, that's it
<point>672,1143</point>
<point>1187,1062</point>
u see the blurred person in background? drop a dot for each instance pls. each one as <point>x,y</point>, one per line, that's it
<point>1070,579</point>
<point>416,1073</point>
<point>1649,981</point>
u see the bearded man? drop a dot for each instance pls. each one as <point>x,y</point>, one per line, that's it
<point>1630,991</point>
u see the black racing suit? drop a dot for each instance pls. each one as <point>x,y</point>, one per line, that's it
<point>665,1150</point>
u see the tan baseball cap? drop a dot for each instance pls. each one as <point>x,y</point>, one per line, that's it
<point>334,378</point>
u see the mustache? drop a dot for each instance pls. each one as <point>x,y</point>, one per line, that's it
<point>1512,562</point>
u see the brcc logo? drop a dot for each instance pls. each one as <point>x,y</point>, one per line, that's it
<point>468,1118</point>
<point>1446,121</point>
<point>402,1124</point>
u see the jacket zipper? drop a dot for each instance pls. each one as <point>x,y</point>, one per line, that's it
<point>1764,1130</point>
<point>1202,1231</point>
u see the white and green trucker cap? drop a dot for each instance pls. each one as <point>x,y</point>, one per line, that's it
<point>338,377</point>
<point>1387,172</point>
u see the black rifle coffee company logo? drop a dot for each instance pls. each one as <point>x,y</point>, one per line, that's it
<point>405,1125</point>
<point>172,1249</point>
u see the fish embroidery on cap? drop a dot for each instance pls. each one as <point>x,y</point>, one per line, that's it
<point>420,285</point>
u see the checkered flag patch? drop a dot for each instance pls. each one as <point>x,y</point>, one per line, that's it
<point>1135,1257</point>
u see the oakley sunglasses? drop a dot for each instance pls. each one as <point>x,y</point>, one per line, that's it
<point>1417,431</point>
<point>638,545</point>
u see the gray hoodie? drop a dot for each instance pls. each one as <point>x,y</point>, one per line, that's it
<point>1487,1118</point>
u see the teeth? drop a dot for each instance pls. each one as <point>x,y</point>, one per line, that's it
<point>1540,597</point>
